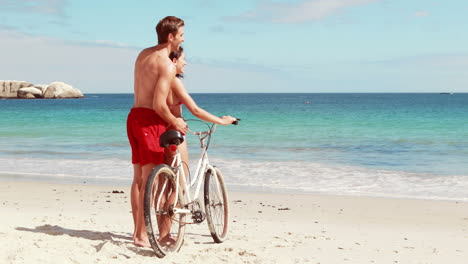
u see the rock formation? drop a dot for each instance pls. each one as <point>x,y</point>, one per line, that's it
<point>26,90</point>
<point>9,89</point>
<point>62,90</point>
<point>29,92</point>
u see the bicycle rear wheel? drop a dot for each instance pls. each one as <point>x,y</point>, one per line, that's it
<point>165,228</point>
<point>216,205</point>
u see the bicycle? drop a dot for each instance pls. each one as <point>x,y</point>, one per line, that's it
<point>168,202</point>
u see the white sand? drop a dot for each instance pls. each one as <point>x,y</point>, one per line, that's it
<point>54,223</point>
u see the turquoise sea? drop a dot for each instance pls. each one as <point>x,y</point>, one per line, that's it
<point>391,145</point>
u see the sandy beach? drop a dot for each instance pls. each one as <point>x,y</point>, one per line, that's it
<point>58,223</point>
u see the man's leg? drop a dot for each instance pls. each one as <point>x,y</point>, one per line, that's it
<point>141,237</point>
<point>134,194</point>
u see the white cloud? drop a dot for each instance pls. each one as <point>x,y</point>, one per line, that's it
<point>442,62</point>
<point>107,67</point>
<point>421,13</point>
<point>304,11</point>
<point>32,15</point>
<point>87,66</point>
<point>205,75</point>
<point>110,43</point>
<point>48,7</point>
<point>424,73</point>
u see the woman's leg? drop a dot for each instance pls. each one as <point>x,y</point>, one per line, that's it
<point>184,155</point>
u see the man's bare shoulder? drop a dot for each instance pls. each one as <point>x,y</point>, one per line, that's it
<point>155,59</point>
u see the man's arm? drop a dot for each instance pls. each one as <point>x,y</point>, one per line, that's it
<point>166,76</point>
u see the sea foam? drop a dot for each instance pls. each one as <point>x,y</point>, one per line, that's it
<point>248,175</point>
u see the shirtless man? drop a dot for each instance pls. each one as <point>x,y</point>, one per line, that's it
<point>150,115</point>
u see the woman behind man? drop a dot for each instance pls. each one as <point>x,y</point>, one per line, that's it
<point>178,95</point>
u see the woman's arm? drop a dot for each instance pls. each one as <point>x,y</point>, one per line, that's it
<point>185,98</point>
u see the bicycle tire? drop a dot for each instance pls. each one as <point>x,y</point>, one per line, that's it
<point>216,205</point>
<point>157,213</point>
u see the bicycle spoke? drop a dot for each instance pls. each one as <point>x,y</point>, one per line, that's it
<point>216,205</point>
<point>219,219</point>
<point>165,229</point>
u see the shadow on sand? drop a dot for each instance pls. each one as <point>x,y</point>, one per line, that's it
<point>105,237</point>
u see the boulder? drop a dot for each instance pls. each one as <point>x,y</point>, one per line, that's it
<point>5,89</point>
<point>26,96</point>
<point>22,89</point>
<point>42,87</point>
<point>9,89</point>
<point>22,92</point>
<point>62,90</point>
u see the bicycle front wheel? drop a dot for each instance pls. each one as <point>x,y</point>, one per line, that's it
<point>216,205</point>
<point>165,227</point>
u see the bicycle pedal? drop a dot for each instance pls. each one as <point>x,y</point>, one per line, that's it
<point>198,216</point>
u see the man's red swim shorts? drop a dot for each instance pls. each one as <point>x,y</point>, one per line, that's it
<point>144,127</point>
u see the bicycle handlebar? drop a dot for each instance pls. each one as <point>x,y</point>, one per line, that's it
<point>212,129</point>
<point>206,135</point>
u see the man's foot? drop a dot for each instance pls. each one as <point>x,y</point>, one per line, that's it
<point>141,242</point>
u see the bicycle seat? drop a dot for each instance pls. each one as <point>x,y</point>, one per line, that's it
<point>171,137</point>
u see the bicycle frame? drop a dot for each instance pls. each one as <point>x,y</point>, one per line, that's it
<point>172,200</point>
<point>202,166</point>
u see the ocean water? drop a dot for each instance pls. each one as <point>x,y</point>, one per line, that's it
<point>390,145</point>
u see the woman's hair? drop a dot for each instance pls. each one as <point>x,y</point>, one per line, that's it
<point>176,55</point>
<point>166,26</point>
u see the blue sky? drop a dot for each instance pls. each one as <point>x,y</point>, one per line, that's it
<point>243,46</point>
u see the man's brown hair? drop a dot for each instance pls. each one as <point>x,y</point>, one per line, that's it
<point>166,26</point>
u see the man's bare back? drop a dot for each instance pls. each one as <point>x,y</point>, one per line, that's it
<point>147,72</point>
<point>154,72</point>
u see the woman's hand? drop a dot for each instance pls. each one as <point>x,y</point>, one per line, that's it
<point>180,125</point>
<point>227,120</point>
